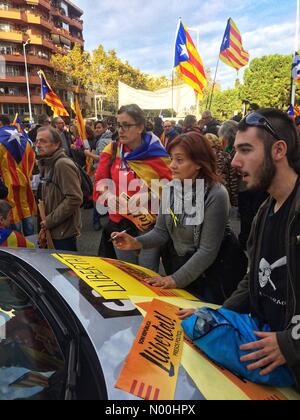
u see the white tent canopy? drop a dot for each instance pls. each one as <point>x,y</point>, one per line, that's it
<point>183,98</point>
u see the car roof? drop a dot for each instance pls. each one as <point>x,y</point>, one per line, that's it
<point>111,328</point>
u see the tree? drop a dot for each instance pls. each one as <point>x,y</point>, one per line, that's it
<point>72,69</point>
<point>267,81</point>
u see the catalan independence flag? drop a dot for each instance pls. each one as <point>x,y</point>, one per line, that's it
<point>17,159</point>
<point>149,162</point>
<point>13,239</point>
<point>232,52</point>
<point>80,120</point>
<point>296,68</point>
<point>50,98</point>
<point>188,63</point>
<point>17,122</point>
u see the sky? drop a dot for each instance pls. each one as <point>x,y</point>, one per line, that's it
<point>143,32</point>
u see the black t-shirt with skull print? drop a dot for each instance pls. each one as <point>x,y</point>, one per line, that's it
<point>272,276</point>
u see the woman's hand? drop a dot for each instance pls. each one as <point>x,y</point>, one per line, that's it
<point>162,282</point>
<point>125,242</point>
<point>185,313</point>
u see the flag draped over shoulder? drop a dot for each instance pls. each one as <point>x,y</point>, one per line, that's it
<point>17,160</point>
<point>188,63</point>
<point>296,68</point>
<point>50,98</point>
<point>149,161</point>
<point>232,52</point>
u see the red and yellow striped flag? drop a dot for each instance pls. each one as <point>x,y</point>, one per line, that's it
<point>188,63</point>
<point>232,52</point>
<point>80,121</point>
<point>50,98</point>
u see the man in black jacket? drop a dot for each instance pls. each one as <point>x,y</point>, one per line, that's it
<point>268,157</point>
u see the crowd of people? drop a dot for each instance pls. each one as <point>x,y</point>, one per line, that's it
<point>251,165</point>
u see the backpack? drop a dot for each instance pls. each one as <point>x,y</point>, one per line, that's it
<point>86,183</point>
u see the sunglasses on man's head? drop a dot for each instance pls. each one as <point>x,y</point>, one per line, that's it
<point>254,119</point>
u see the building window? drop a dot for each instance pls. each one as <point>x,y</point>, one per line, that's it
<point>4,27</point>
<point>12,109</point>
<point>12,71</point>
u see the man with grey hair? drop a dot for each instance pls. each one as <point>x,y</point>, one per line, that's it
<point>227,133</point>
<point>61,190</point>
<point>66,138</point>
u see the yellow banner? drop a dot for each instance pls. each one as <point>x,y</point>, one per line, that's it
<point>213,381</point>
<point>114,279</point>
<point>151,369</point>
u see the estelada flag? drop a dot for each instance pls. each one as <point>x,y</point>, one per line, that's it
<point>50,98</point>
<point>80,121</point>
<point>187,62</point>
<point>232,52</point>
<point>17,159</point>
<point>296,68</point>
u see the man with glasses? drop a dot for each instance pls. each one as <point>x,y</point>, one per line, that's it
<point>268,158</point>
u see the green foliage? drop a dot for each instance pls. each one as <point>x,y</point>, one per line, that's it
<point>267,81</point>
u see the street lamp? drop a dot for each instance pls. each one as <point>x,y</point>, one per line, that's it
<point>27,80</point>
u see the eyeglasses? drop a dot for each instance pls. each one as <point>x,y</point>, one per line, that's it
<point>254,119</point>
<point>125,126</point>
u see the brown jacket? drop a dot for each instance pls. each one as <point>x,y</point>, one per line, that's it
<point>62,195</point>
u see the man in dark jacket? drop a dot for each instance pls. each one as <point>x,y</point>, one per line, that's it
<point>211,126</point>
<point>61,191</point>
<point>268,157</point>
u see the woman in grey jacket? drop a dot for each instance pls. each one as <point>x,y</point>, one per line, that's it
<point>196,233</point>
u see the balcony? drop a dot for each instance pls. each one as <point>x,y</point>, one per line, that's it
<point>21,99</point>
<point>42,3</point>
<point>11,14</point>
<point>31,59</point>
<point>77,23</point>
<point>33,80</point>
<point>38,20</point>
<point>13,36</point>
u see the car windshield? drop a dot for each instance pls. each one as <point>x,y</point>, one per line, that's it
<point>32,365</point>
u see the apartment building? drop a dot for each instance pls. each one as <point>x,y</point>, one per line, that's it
<point>42,28</point>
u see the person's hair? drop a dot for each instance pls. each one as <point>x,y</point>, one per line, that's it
<point>4,119</point>
<point>42,119</point>
<point>228,130</point>
<point>5,208</point>
<point>55,137</point>
<point>189,121</point>
<point>54,121</point>
<point>285,128</point>
<point>214,141</point>
<point>135,112</point>
<point>198,149</point>
<point>102,122</point>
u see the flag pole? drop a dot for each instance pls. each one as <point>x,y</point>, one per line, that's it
<point>293,93</point>
<point>172,93</point>
<point>213,86</point>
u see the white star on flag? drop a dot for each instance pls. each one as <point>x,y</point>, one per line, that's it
<point>14,135</point>
<point>184,50</point>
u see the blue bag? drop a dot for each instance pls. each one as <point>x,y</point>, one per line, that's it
<point>219,334</point>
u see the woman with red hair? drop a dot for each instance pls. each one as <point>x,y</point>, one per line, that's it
<point>190,229</point>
